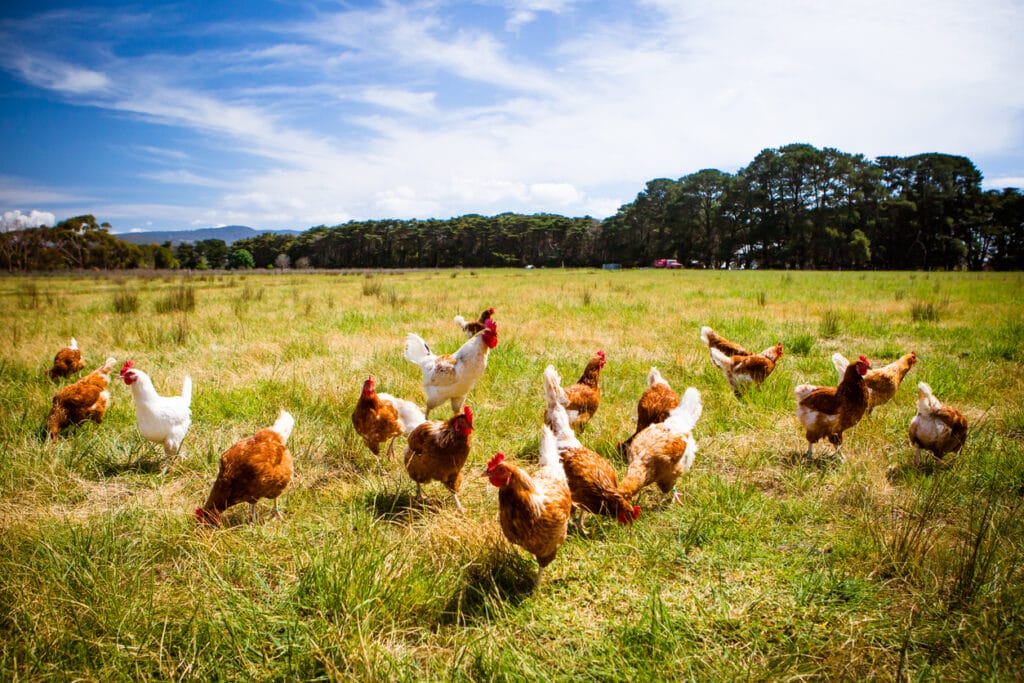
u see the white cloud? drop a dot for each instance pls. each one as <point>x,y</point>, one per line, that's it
<point>16,220</point>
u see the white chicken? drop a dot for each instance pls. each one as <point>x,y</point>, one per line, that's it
<point>451,376</point>
<point>164,420</point>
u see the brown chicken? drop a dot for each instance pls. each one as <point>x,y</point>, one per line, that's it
<point>742,371</point>
<point>471,327</point>
<point>437,451</point>
<point>655,405</point>
<point>68,361</point>
<point>86,399</point>
<point>254,468</point>
<point>592,480</point>
<point>533,510</point>
<point>938,428</point>
<point>882,382</point>
<point>664,451</point>
<point>827,412</point>
<point>582,399</point>
<point>713,341</point>
<point>382,417</point>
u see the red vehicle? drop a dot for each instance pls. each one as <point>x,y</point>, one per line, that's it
<point>667,263</point>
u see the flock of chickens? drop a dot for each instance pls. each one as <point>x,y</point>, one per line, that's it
<point>534,508</point>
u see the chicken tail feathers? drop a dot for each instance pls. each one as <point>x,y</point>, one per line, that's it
<point>654,377</point>
<point>684,416</point>
<point>73,345</point>
<point>553,387</point>
<point>803,390</point>
<point>721,361</point>
<point>840,363</point>
<point>460,321</point>
<point>549,459</point>
<point>926,401</point>
<point>705,335</point>
<point>416,350</point>
<point>409,415</point>
<point>284,424</point>
<point>564,435</point>
<point>186,390</point>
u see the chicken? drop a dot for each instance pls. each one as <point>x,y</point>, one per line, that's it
<point>664,451</point>
<point>437,451</point>
<point>451,376</point>
<point>581,399</point>
<point>471,327</point>
<point>533,509</point>
<point>257,467</point>
<point>713,341</point>
<point>827,412</point>
<point>86,399</point>
<point>164,420</point>
<point>936,427</point>
<point>592,480</point>
<point>743,371</point>
<point>382,417</point>
<point>68,361</point>
<point>882,382</point>
<point>655,405</point>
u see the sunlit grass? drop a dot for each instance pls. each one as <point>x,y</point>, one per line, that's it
<point>772,568</point>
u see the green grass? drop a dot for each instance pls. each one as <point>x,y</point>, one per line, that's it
<point>771,569</point>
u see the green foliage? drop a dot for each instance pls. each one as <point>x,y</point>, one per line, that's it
<point>125,302</point>
<point>242,259</point>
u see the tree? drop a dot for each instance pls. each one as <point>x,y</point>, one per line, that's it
<point>241,258</point>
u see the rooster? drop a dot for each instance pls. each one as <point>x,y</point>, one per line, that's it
<point>451,376</point>
<point>713,341</point>
<point>580,400</point>
<point>744,370</point>
<point>437,451</point>
<point>882,382</point>
<point>664,451</point>
<point>68,361</point>
<point>937,428</point>
<point>827,412</point>
<point>592,480</point>
<point>655,405</point>
<point>257,467</point>
<point>86,399</point>
<point>382,417</point>
<point>164,420</point>
<point>471,327</point>
<point>533,509</point>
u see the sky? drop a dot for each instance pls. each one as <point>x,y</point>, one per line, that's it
<point>155,115</point>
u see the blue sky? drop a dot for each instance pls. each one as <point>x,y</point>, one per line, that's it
<point>170,115</point>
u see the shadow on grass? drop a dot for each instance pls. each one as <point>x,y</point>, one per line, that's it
<point>501,578</point>
<point>399,506</point>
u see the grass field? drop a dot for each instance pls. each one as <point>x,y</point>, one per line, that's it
<point>773,568</point>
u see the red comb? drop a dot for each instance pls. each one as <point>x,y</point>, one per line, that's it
<point>128,365</point>
<point>468,412</point>
<point>491,310</point>
<point>495,461</point>
<point>491,325</point>
<point>601,353</point>
<point>864,360</point>
<point>636,511</point>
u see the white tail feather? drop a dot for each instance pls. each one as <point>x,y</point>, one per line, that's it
<point>284,424</point>
<point>73,345</point>
<point>186,390</point>
<point>926,401</point>
<point>840,363</point>
<point>460,321</point>
<point>720,360</point>
<point>549,459</point>
<point>705,335</point>
<point>684,416</point>
<point>416,350</point>
<point>553,387</point>
<point>654,377</point>
<point>803,390</point>
<point>409,415</point>
<point>564,435</point>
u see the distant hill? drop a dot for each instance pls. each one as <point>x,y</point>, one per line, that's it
<point>228,233</point>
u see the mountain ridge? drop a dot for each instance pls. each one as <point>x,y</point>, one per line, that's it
<point>228,233</point>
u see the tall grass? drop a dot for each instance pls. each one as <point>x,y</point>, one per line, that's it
<point>866,570</point>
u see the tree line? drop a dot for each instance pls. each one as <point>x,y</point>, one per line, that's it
<point>792,207</point>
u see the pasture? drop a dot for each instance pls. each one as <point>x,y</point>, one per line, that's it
<point>773,568</point>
